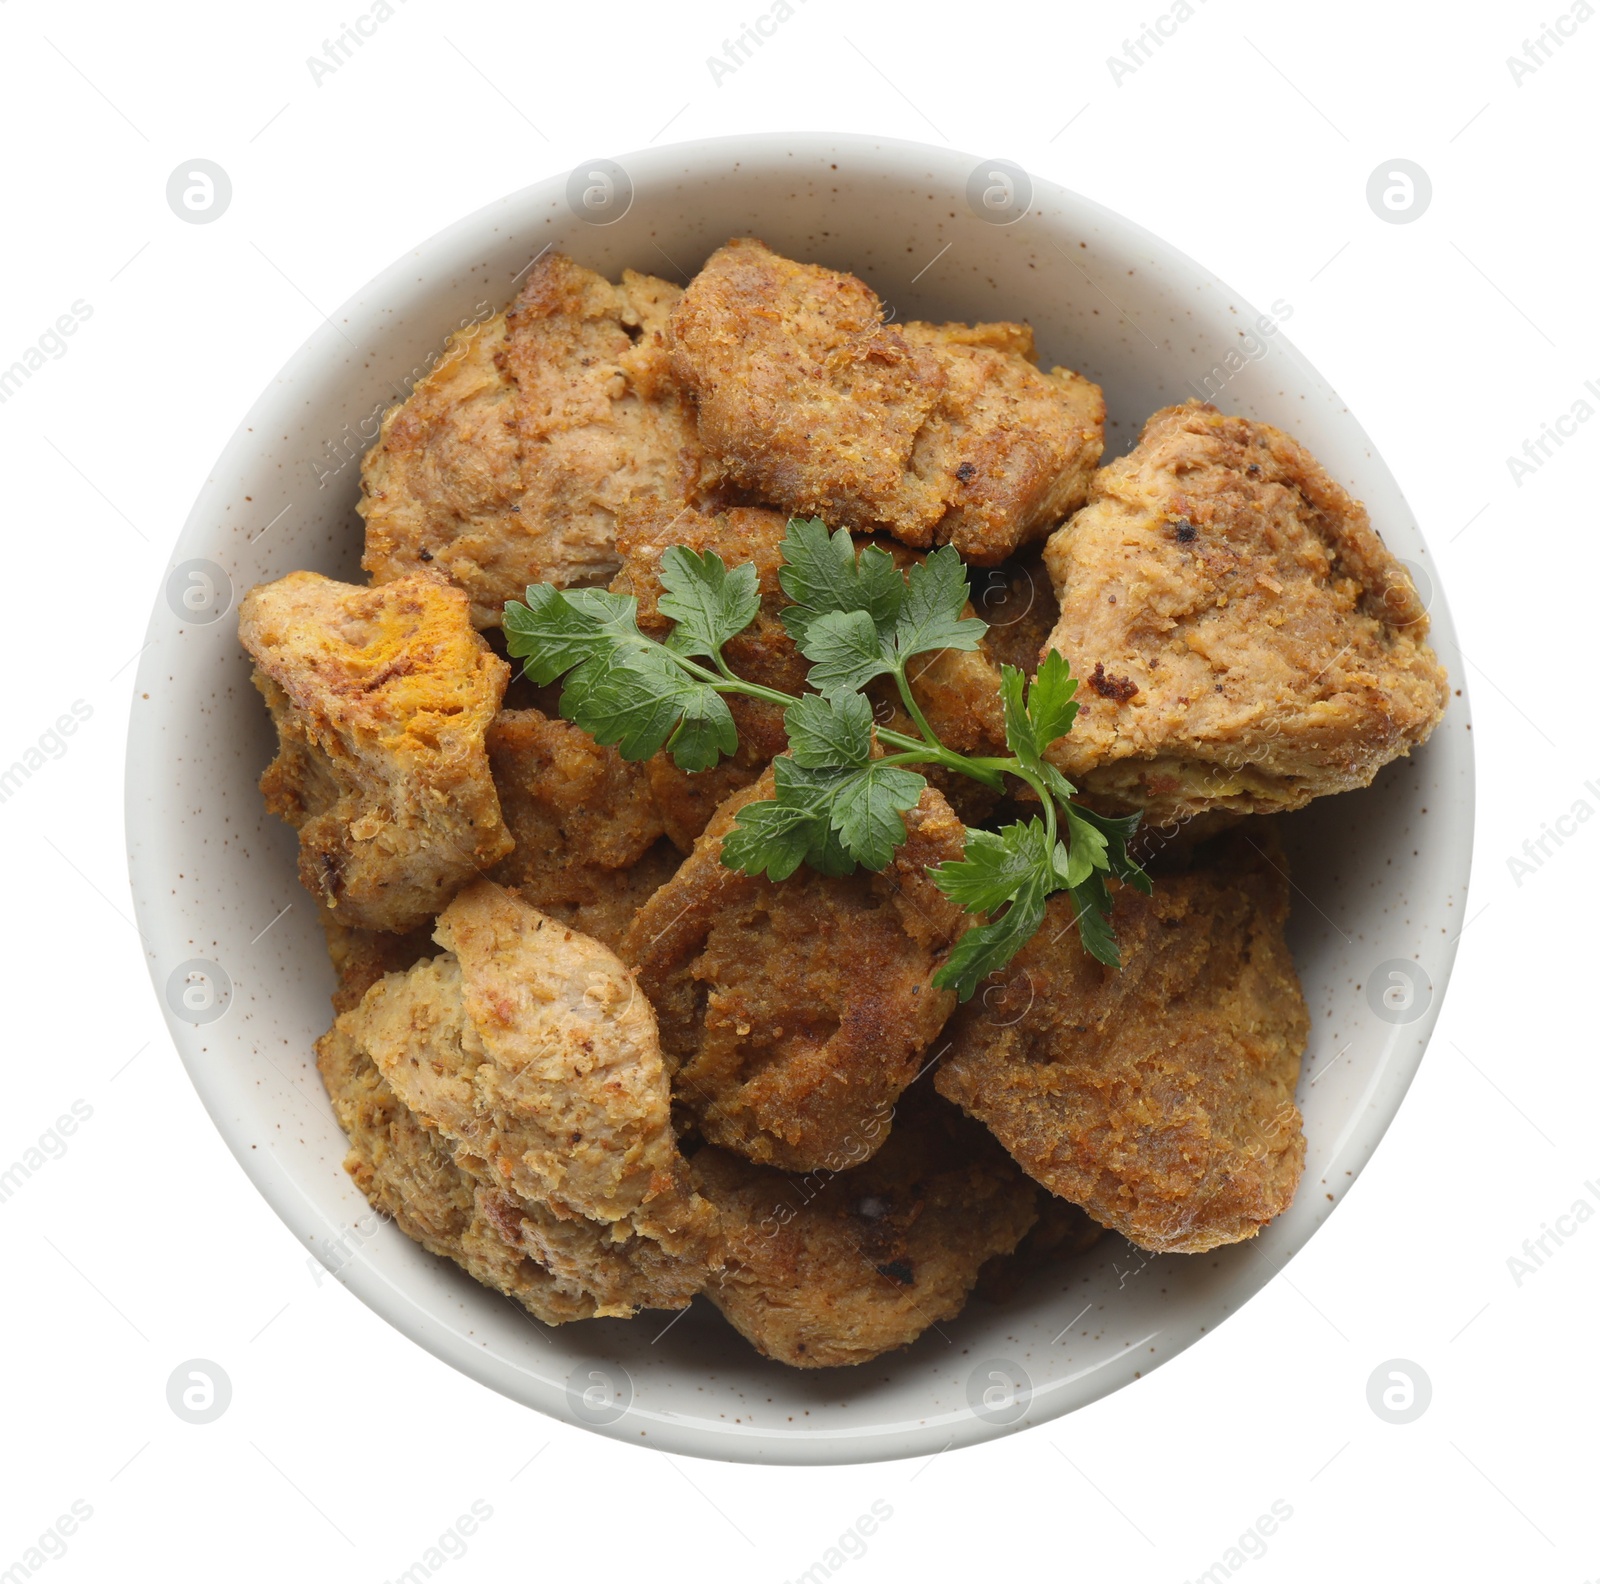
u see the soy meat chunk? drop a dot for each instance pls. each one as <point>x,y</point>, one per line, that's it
<point>590,842</point>
<point>1159,1097</point>
<point>794,1013</point>
<point>559,1268</point>
<point>381,697</point>
<point>934,433</point>
<point>511,458</point>
<point>837,1268</point>
<point>1243,639</point>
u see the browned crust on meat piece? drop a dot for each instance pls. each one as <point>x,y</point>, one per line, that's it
<point>1249,644</point>
<point>1160,1096</point>
<point>618,895</point>
<point>409,1174</point>
<point>510,460</point>
<point>588,833</point>
<point>559,1268</point>
<point>936,434</point>
<point>381,698</point>
<point>527,1052</point>
<point>561,1086</point>
<point>837,1268</point>
<point>568,801</point>
<point>794,1014</point>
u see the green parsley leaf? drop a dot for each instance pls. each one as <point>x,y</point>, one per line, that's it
<point>705,733</point>
<point>867,809</point>
<point>1117,833</point>
<point>555,630</point>
<point>709,603</point>
<point>1088,848</point>
<point>823,573</point>
<point>771,838</point>
<point>641,702</point>
<point>1050,696</point>
<point>1092,899</point>
<point>930,618</point>
<point>986,948</point>
<point>622,688</point>
<point>1037,713</point>
<point>1061,788</point>
<point>1020,738</point>
<point>829,729</point>
<point>993,865</point>
<point>846,650</point>
<point>776,835</point>
<point>859,809</point>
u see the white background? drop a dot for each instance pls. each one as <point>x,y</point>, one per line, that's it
<point>1247,141</point>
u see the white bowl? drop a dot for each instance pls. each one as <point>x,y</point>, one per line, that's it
<point>1379,887</point>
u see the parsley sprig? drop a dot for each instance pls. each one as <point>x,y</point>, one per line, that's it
<point>844,786</point>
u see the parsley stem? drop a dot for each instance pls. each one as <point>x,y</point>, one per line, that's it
<point>1037,783</point>
<point>914,709</point>
<point>926,749</point>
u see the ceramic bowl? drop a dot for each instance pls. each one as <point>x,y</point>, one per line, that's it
<point>234,947</point>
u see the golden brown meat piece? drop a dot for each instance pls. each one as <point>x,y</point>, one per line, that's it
<point>1159,1097</point>
<point>381,697</point>
<point>937,434</point>
<point>588,833</point>
<point>838,1267</point>
<point>527,1053</point>
<point>558,1268</point>
<point>532,1048</point>
<point>794,1014</point>
<point>617,896</point>
<point>509,461</point>
<point>1243,638</point>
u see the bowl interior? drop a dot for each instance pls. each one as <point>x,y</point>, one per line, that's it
<point>237,957</point>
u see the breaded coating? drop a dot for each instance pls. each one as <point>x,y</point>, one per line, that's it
<point>361,958</point>
<point>687,800</point>
<point>1019,604</point>
<point>580,813</point>
<point>838,1267</point>
<point>936,434</point>
<point>381,697</point>
<point>794,1014</point>
<point>559,1268</point>
<point>531,1046</point>
<point>1159,1097</point>
<point>1243,638</point>
<point>407,1172</point>
<point>618,896</point>
<point>509,461</point>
